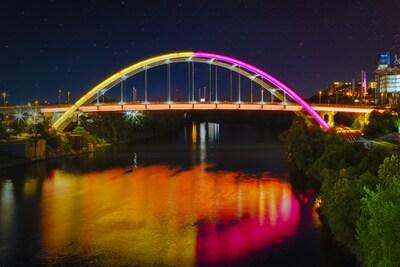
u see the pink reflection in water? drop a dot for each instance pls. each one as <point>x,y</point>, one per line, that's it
<point>229,240</point>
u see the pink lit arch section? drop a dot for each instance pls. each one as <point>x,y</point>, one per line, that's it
<point>270,79</point>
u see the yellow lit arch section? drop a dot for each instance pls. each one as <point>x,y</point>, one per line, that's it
<point>64,119</point>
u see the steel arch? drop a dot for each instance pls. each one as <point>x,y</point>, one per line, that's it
<point>245,69</point>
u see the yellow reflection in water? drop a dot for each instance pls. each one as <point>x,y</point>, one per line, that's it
<point>194,133</point>
<point>151,215</point>
<point>30,187</point>
<point>315,216</point>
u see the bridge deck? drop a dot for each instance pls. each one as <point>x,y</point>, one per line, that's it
<point>140,106</point>
<point>207,106</point>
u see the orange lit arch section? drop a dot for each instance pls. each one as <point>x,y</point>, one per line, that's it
<point>254,73</point>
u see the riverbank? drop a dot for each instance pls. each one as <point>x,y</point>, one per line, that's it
<point>350,177</point>
<point>8,160</point>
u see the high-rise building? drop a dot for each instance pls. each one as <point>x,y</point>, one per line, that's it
<point>388,79</point>
<point>372,85</point>
<point>339,87</point>
<point>383,60</point>
<point>364,91</point>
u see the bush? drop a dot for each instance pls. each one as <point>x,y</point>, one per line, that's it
<point>53,140</point>
<point>3,131</point>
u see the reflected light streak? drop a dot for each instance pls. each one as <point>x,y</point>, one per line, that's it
<point>261,204</point>
<point>7,206</point>
<point>203,149</point>
<point>314,213</point>
<point>194,133</point>
<point>202,132</point>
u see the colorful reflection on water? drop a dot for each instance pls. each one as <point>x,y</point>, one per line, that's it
<point>156,215</point>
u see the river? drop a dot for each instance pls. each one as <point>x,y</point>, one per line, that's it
<point>213,195</point>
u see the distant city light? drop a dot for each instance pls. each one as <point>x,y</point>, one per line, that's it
<point>19,116</point>
<point>398,124</point>
<point>4,95</point>
<point>132,116</point>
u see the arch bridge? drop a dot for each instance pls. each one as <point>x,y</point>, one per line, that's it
<point>290,100</point>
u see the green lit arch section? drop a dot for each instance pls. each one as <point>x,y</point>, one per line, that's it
<point>257,75</point>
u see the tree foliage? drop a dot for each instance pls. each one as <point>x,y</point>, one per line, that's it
<point>116,128</point>
<point>305,144</point>
<point>380,124</point>
<point>3,131</point>
<point>379,221</point>
<point>346,171</point>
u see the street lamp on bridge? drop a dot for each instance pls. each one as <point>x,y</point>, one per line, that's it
<point>134,94</point>
<point>4,95</point>
<point>320,95</point>
<point>59,96</point>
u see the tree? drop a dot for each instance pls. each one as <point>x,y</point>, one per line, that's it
<point>378,224</point>
<point>340,195</point>
<point>336,156</point>
<point>380,124</point>
<point>346,170</point>
<point>305,144</point>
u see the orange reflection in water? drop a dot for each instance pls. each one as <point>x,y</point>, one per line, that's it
<point>161,215</point>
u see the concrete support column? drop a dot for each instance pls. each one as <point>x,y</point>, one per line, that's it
<point>329,117</point>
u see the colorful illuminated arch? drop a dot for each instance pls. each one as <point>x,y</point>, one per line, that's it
<point>216,59</point>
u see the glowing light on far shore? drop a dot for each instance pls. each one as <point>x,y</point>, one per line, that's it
<point>20,116</point>
<point>133,116</point>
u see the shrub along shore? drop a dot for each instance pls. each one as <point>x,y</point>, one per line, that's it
<point>359,188</point>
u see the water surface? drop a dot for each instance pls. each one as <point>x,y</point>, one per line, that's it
<point>211,195</point>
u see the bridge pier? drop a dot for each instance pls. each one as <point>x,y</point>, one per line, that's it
<point>329,117</point>
<point>363,119</point>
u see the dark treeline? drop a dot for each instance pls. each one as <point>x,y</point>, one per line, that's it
<point>134,127</point>
<point>359,190</point>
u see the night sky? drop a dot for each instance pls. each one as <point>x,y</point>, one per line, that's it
<point>51,45</point>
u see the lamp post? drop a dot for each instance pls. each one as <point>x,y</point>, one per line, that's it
<point>36,111</point>
<point>320,95</point>
<point>59,96</point>
<point>134,94</point>
<point>4,95</point>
